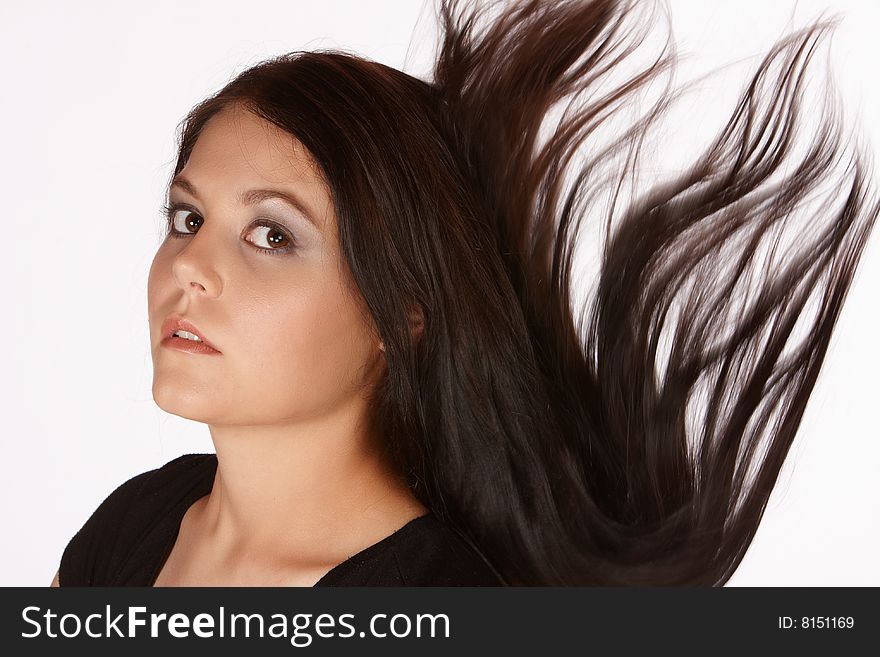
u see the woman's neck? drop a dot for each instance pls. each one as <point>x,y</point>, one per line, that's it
<point>318,491</point>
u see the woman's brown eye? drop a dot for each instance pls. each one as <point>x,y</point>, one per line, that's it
<point>272,236</point>
<point>193,221</point>
<point>182,221</point>
<point>189,224</point>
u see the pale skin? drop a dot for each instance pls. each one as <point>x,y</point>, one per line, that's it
<point>300,486</point>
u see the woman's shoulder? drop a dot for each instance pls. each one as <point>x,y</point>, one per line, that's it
<point>119,522</point>
<point>425,552</point>
<point>175,470</point>
<point>158,484</point>
<point>436,555</point>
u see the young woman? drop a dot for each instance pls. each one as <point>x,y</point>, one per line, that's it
<point>365,293</point>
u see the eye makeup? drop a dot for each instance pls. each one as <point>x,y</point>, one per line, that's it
<point>170,210</point>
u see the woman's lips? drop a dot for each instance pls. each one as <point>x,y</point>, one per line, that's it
<point>190,346</point>
<point>176,323</point>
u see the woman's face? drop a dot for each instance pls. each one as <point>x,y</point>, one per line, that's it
<point>294,341</point>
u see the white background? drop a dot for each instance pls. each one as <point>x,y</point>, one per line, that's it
<point>92,93</point>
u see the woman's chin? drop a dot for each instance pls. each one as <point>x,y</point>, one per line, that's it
<point>187,401</point>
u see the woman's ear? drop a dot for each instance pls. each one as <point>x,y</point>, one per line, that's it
<point>417,326</point>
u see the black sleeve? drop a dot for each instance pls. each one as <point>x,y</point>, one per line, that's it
<point>89,558</point>
<point>126,525</point>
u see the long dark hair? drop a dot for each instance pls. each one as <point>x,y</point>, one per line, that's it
<point>633,440</point>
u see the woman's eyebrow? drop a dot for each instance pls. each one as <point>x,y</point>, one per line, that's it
<point>254,196</point>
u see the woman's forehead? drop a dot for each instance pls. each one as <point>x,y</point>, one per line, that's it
<point>238,138</point>
<point>238,150</point>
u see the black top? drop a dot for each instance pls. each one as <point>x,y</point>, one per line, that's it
<point>127,539</point>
